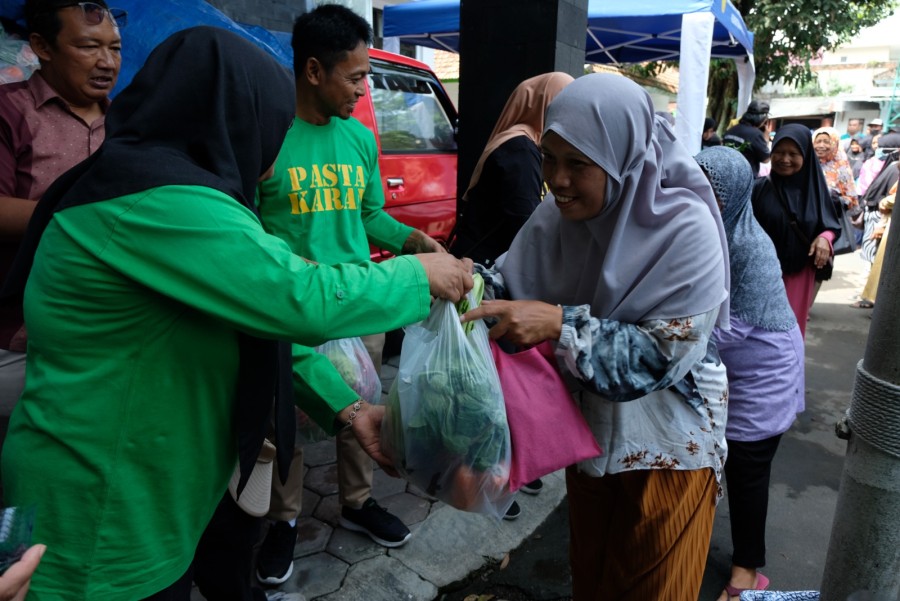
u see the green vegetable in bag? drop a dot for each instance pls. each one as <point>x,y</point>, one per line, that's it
<point>445,428</point>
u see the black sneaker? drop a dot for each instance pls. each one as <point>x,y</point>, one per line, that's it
<point>375,521</point>
<point>513,512</point>
<point>276,556</point>
<point>533,488</point>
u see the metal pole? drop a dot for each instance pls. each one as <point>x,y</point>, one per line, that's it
<point>864,550</point>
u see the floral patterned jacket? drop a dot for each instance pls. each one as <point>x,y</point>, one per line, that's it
<point>655,394</point>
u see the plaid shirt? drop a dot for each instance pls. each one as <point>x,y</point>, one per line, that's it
<point>40,138</point>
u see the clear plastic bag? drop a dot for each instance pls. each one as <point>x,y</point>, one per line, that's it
<point>16,525</point>
<point>351,359</point>
<point>445,428</point>
<point>17,60</point>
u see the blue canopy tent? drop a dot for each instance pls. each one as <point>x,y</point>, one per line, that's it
<point>691,31</point>
<point>432,23</point>
<point>617,32</point>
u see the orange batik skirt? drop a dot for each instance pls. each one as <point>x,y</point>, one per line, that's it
<point>640,535</point>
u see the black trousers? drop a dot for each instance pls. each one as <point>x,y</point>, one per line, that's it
<point>223,562</point>
<point>747,473</point>
<point>178,591</point>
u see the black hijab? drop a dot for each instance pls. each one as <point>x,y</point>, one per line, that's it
<point>208,109</point>
<point>806,195</point>
<point>887,174</point>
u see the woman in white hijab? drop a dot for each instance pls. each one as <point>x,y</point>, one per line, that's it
<point>625,268</point>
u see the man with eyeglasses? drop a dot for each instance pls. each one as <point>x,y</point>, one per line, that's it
<point>48,124</point>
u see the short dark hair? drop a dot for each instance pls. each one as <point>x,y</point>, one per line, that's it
<point>327,34</point>
<point>42,18</point>
<point>757,113</point>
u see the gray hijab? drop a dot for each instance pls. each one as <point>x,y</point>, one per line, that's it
<point>757,291</point>
<point>657,249</point>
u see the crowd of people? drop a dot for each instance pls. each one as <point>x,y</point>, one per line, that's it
<point>129,426</point>
<point>164,293</point>
<point>860,172</point>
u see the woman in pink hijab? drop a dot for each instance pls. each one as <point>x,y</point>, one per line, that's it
<point>506,184</point>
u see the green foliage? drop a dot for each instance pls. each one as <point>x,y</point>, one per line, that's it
<point>789,33</point>
<point>831,88</point>
<point>814,89</point>
<point>648,70</point>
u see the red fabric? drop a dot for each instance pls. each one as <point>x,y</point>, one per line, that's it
<point>800,287</point>
<point>546,428</point>
<point>40,139</point>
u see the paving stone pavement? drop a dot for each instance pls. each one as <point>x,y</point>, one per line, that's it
<point>447,545</point>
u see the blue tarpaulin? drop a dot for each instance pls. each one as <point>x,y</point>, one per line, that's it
<point>152,21</point>
<point>617,32</point>
<point>620,32</point>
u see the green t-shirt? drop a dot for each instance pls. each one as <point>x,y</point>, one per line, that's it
<point>124,437</point>
<point>326,201</point>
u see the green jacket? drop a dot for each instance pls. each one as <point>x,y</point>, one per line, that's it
<point>124,437</point>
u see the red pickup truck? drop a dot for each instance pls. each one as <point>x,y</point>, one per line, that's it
<point>414,123</point>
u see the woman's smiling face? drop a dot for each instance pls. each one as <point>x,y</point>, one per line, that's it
<point>787,158</point>
<point>578,184</point>
<point>823,146</point>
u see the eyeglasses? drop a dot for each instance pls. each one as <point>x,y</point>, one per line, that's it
<point>93,13</point>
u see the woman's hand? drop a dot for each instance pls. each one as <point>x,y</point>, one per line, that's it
<point>820,251</point>
<point>523,322</point>
<point>14,583</point>
<point>366,427</point>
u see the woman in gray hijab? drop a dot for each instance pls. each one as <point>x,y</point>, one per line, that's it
<point>624,267</point>
<point>763,353</point>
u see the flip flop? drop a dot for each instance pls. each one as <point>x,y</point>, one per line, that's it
<point>863,304</point>
<point>762,583</point>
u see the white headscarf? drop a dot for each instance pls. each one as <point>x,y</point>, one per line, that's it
<point>657,250</point>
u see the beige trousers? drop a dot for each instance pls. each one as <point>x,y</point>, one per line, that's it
<point>354,466</point>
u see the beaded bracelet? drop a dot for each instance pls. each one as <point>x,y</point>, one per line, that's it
<point>354,412</point>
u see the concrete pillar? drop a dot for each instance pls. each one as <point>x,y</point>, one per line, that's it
<point>361,7</point>
<point>864,550</point>
<point>502,43</point>
<point>277,15</point>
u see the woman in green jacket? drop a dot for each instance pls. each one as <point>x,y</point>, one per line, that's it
<point>153,306</point>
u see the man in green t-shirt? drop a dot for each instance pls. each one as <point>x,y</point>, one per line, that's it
<point>326,201</point>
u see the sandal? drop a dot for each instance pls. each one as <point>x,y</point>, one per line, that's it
<point>863,304</point>
<point>762,583</point>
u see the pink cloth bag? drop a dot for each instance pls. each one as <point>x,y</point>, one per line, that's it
<point>547,430</point>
